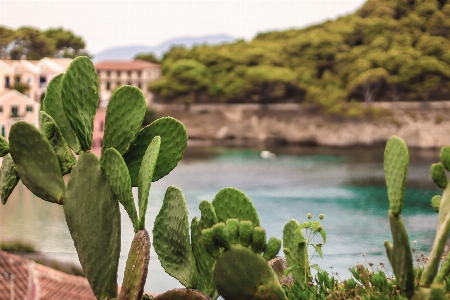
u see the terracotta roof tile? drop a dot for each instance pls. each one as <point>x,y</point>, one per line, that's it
<point>124,65</point>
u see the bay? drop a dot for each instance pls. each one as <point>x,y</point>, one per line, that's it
<point>345,184</point>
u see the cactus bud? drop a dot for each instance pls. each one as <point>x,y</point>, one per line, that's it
<point>245,233</point>
<point>221,235</point>
<point>436,202</point>
<point>321,216</point>
<point>258,239</point>
<point>438,175</point>
<point>445,157</point>
<point>309,216</point>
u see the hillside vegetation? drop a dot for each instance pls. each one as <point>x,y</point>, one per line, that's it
<point>386,51</point>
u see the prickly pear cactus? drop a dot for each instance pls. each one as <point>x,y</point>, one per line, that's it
<point>80,97</point>
<point>438,175</point>
<point>35,160</point>
<point>241,272</point>
<point>232,203</point>
<point>51,131</point>
<point>53,106</point>
<point>137,267</point>
<point>171,239</point>
<point>396,161</point>
<point>4,146</point>
<point>173,143</point>
<point>93,219</point>
<point>124,115</point>
<point>296,253</point>
<point>8,178</point>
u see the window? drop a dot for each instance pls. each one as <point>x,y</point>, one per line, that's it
<point>7,82</point>
<point>139,85</point>
<point>129,73</point>
<point>128,83</point>
<point>1,109</point>
<point>118,73</point>
<point>42,81</point>
<point>108,85</point>
<point>29,80</point>
<point>108,73</point>
<point>14,111</point>
<point>17,79</point>
<point>118,84</point>
<point>29,108</point>
<point>139,74</point>
<point>3,130</point>
<point>102,126</point>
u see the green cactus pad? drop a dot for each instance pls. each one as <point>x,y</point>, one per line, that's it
<point>245,233</point>
<point>8,178</point>
<point>124,115</point>
<point>445,157</point>
<point>182,294</point>
<point>233,230</point>
<point>209,217</point>
<point>221,235</point>
<point>171,239</point>
<point>438,175</point>
<point>298,252</point>
<point>436,202</point>
<point>173,143</point>
<point>396,160</point>
<point>54,107</point>
<point>145,177</point>
<point>53,134</point>
<point>204,261</point>
<point>137,266</point>
<point>36,162</point>
<point>209,242</point>
<point>399,255</point>
<point>4,146</point>
<point>80,96</point>
<point>232,203</point>
<point>272,248</point>
<point>258,240</point>
<point>239,273</point>
<point>93,217</point>
<point>116,172</point>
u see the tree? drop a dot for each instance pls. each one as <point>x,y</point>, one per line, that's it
<point>150,57</point>
<point>67,44</point>
<point>31,44</point>
<point>6,38</point>
<point>367,85</point>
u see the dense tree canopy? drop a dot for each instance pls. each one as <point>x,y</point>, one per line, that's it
<point>31,43</point>
<point>386,51</point>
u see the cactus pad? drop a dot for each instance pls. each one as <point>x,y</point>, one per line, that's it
<point>182,294</point>
<point>399,255</point>
<point>436,202</point>
<point>272,248</point>
<point>245,233</point>
<point>204,261</point>
<point>137,267</point>
<point>54,107</point>
<point>239,273</point>
<point>258,240</point>
<point>396,160</point>
<point>124,115</point>
<point>53,134</point>
<point>232,203</point>
<point>171,239</point>
<point>438,175</point>
<point>4,146</point>
<point>93,217</point>
<point>80,96</point>
<point>145,177</point>
<point>36,160</point>
<point>173,143</point>
<point>209,217</point>
<point>445,157</point>
<point>233,230</point>
<point>8,178</point>
<point>296,253</point>
<point>116,172</point>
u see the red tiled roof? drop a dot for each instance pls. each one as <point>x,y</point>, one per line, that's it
<point>124,65</point>
<point>32,281</point>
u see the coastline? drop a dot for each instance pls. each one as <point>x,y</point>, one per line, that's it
<point>420,124</point>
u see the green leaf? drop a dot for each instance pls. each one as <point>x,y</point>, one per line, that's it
<point>324,235</point>
<point>299,240</point>
<point>316,267</point>
<point>318,250</point>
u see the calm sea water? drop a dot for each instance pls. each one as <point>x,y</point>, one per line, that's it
<point>346,185</point>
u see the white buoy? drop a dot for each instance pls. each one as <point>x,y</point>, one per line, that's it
<point>267,154</point>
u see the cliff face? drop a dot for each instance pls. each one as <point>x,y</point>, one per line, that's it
<point>420,125</point>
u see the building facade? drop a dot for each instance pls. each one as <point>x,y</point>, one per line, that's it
<point>114,74</point>
<point>36,74</point>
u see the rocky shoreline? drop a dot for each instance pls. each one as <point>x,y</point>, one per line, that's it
<point>421,125</point>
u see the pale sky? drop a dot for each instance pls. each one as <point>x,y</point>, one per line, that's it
<point>104,24</point>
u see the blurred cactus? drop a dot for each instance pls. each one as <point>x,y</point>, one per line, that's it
<point>96,186</point>
<point>432,279</point>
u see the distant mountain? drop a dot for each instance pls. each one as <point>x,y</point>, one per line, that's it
<point>129,52</point>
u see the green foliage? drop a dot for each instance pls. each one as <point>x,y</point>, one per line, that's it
<point>388,50</point>
<point>150,57</point>
<point>22,88</point>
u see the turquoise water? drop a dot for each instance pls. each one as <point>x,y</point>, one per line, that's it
<point>346,185</point>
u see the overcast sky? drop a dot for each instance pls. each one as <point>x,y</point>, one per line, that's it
<point>104,24</point>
